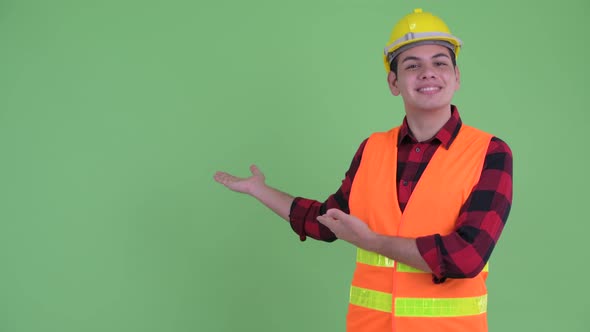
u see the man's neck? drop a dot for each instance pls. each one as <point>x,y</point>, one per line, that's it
<point>425,124</point>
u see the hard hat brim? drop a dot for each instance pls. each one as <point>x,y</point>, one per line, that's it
<point>393,50</point>
<point>392,55</point>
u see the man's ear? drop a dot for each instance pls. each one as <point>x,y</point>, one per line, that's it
<point>457,77</point>
<point>392,82</point>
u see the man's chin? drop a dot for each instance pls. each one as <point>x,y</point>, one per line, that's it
<point>431,107</point>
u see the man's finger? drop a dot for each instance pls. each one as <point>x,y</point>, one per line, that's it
<point>324,220</point>
<point>219,177</point>
<point>255,171</point>
<point>336,214</point>
<point>224,178</point>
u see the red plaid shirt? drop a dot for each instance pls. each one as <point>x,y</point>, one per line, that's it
<point>461,254</point>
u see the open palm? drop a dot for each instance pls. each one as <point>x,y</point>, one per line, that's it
<point>242,185</point>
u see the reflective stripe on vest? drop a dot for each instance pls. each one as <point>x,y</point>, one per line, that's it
<point>374,259</point>
<point>419,307</point>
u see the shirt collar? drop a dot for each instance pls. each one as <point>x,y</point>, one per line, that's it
<point>446,135</point>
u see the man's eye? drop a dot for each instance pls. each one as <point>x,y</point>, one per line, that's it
<point>439,64</point>
<point>413,66</point>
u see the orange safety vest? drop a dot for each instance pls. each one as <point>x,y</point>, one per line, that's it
<point>389,296</point>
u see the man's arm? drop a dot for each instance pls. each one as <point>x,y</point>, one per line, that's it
<point>465,252</point>
<point>351,229</point>
<point>255,186</point>
<point>300,212</point>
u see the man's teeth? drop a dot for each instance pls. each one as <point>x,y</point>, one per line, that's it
<point>429,89</point>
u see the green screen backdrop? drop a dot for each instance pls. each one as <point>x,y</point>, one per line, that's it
<point>114,115</point>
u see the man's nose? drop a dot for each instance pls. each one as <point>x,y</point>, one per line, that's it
<point>427,72</point>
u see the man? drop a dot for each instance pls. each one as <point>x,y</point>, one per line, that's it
<point>425,202</point>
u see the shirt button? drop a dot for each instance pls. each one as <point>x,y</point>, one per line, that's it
<point>405,183</point>
<point>417,149</point>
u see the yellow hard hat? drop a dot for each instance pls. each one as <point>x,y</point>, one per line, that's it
<point>422,28</point>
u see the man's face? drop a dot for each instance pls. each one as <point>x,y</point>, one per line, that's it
<point>426,78</point>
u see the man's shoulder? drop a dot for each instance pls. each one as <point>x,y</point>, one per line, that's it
<point>496,144</point>
<point>387,133</point>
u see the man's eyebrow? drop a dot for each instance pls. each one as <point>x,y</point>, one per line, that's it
<point>411,58</point>
<point>438,55</point>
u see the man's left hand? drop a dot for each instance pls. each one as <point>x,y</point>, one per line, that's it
<point>348,228</point>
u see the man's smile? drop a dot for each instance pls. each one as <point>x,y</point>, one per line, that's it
<point>429,89</point>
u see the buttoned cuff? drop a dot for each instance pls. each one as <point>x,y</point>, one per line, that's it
<point>429,248</point>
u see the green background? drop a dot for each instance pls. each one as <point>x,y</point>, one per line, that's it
<point>114,115</point>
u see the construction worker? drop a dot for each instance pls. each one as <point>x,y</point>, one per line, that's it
<point>424,203</point>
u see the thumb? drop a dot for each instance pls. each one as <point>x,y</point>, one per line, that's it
<point>255,171</point>
<point>336,214</point>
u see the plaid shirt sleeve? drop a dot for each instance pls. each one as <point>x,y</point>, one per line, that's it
<point>464,253</point>
<point>304,211</point>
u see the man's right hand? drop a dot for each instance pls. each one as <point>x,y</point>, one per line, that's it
<point>255,186</point>
<point>243,185</point>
